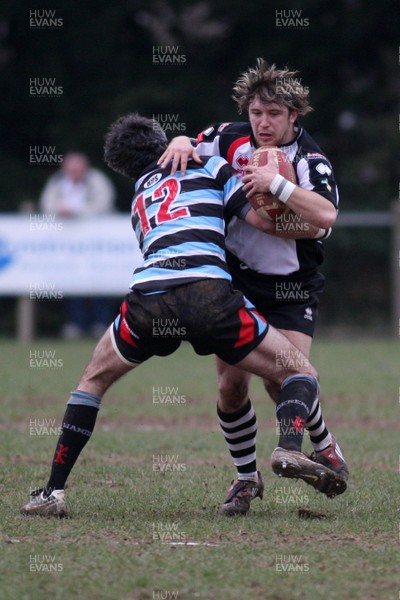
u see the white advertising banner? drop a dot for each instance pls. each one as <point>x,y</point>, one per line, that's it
<point>46,256</point>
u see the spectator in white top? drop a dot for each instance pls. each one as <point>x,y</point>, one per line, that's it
<point>78,190</point>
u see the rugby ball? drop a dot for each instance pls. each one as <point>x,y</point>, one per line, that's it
<point>266,204</point>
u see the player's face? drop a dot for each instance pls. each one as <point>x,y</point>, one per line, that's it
<point>272,123</point>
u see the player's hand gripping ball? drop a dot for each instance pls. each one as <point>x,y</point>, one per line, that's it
<point>266,204</point>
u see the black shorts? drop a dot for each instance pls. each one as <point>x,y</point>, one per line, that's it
<point>210,314</point>
<point>286,301</point>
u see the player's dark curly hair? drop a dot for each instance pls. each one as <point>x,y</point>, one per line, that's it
<point>132,143</point>
<point>271,85</point>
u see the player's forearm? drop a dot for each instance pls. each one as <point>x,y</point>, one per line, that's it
<point>312,208</point>
<point>289,227</point>
<point>309,205</point>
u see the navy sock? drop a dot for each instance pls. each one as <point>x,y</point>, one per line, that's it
<point>78,424</point>
<point>296,399</point>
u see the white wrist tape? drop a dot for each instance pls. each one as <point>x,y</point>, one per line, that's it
<point>322,234</point>
<point>327,233</point>
<point>282,188</point>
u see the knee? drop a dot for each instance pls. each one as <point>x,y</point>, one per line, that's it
<point>272,389</point>
<point>96,380</point>
<point>314,372</point>
<point>233,392</point>
<point>306,368</point>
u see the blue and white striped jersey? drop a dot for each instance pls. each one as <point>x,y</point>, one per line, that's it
<point>179,223</point>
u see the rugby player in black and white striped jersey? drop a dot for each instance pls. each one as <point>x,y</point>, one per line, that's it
<point>278,272</point>
<point>179,223</point>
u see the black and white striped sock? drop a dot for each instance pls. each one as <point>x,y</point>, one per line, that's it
<point>240,430</point>
<point>319,434</point>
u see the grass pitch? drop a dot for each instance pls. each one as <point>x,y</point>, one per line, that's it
<point>145,493</point>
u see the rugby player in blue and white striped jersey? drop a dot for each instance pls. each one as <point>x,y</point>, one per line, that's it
<point>184,282</point>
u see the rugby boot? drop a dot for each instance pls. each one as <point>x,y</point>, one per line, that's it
<point>329,480</point>
<point>240,494</point>
<point>53,505</point>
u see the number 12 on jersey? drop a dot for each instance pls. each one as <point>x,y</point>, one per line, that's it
<point>164,195</point>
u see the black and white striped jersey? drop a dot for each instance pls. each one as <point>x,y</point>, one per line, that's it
<point>263,253</point>
<point>179,223</point>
